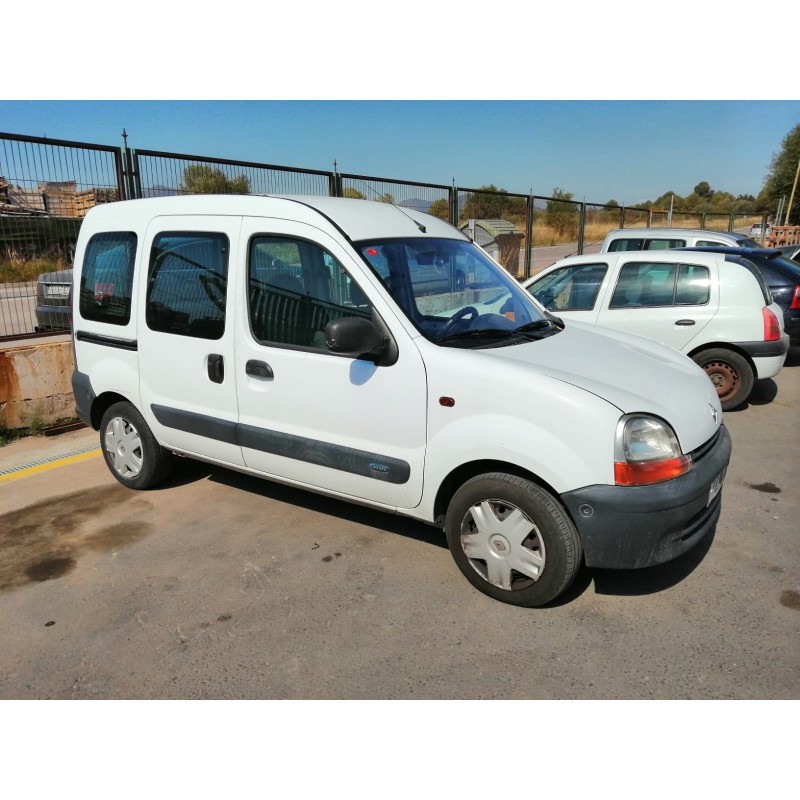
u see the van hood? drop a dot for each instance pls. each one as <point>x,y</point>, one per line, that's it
<point>633,373</point>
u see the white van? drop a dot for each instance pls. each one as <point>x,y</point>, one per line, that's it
<point>670,238</point>
<point>288,338</point>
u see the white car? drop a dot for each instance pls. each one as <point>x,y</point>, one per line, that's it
<point>714,307</point>
<point>759,230</point>
<point>302,340</point>
<point>671,238</point>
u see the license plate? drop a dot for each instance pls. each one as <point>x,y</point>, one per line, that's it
<point>716,485</point>
<point>58,290</point>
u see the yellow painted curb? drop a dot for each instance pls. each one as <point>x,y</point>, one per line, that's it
<point>24,472</point>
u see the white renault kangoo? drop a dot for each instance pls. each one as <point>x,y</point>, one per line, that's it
<point>375,354</point>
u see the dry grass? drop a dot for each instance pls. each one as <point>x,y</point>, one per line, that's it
<point>15,267</point>
<point>595,232</point>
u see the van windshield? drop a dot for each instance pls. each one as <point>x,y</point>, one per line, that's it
<point>455,294</point>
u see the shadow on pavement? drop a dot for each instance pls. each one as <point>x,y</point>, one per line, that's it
<point>606,581</point>
<point>320,504</point>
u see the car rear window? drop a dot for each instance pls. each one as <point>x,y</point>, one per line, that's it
<point>783,267</point>
<point>107,277</point>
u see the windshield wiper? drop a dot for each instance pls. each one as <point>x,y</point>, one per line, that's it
<point>490,334</point>
<point>540,328</point>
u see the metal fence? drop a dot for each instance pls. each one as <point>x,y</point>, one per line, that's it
<point>48,185</point>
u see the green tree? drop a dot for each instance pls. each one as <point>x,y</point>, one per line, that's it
<point>780,178</point>
<point>354,194</point>
<point>662,203</point>
<point>489,202</point>
<point>562,215</point>
<point>704,190</point>
<point>202,179</point>
<point>385,198</point>
<point>610,211</point>
<point>440,208</point>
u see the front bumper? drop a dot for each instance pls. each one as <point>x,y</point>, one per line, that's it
<point>630,527</point>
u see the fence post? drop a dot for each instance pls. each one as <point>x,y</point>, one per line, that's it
<point>454,206</point>
<point>133,186</point>
<point>581,228</point>
<point>528,237</point>
<point>622,217</point>
<point>334,185</point>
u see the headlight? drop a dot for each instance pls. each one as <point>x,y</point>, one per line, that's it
<point>646,450</point>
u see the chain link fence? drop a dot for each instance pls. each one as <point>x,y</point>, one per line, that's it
<point>48,185</point>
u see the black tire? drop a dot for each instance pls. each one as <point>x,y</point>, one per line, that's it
<point>131,451</point>
<point>730,373</point>
<point>523,526</point>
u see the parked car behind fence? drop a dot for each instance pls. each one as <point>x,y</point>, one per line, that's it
<point>53,296</point>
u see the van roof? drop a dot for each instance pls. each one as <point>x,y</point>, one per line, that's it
<point>357,219</point>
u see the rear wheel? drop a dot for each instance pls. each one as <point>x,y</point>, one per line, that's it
<point>512,540</point>
<point>131,451</point>
<point>730,373</point>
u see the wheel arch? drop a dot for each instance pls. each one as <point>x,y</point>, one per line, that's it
<point>102,403</point>
<point>724,346</point>
<point>460,475</point>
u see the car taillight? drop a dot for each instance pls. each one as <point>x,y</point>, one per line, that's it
<point>796,298</point>
<point>772,328</point>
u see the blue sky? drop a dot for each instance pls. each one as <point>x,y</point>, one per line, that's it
<point>628,151</point>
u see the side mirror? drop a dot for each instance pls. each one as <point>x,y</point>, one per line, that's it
<point>357,337</point>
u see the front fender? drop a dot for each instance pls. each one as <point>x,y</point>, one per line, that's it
<point>565,456</point>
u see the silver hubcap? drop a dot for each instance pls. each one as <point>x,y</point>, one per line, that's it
<point>502,544</point>
<point>124,447</point>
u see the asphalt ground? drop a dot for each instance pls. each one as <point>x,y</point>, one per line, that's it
<point>220,585</point>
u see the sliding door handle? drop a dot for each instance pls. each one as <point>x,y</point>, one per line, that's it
<point>259,369</point>
<point>216,368</point>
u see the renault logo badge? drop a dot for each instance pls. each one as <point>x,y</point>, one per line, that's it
<point>714,414</point>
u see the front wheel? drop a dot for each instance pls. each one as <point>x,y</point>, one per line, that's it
<point>512,540</point>
<point>730,373</point>
<point>131,451</point>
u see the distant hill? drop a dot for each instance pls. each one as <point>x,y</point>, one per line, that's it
<point>417,204</point>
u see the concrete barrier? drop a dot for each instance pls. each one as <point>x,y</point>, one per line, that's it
<point>35,382</point>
